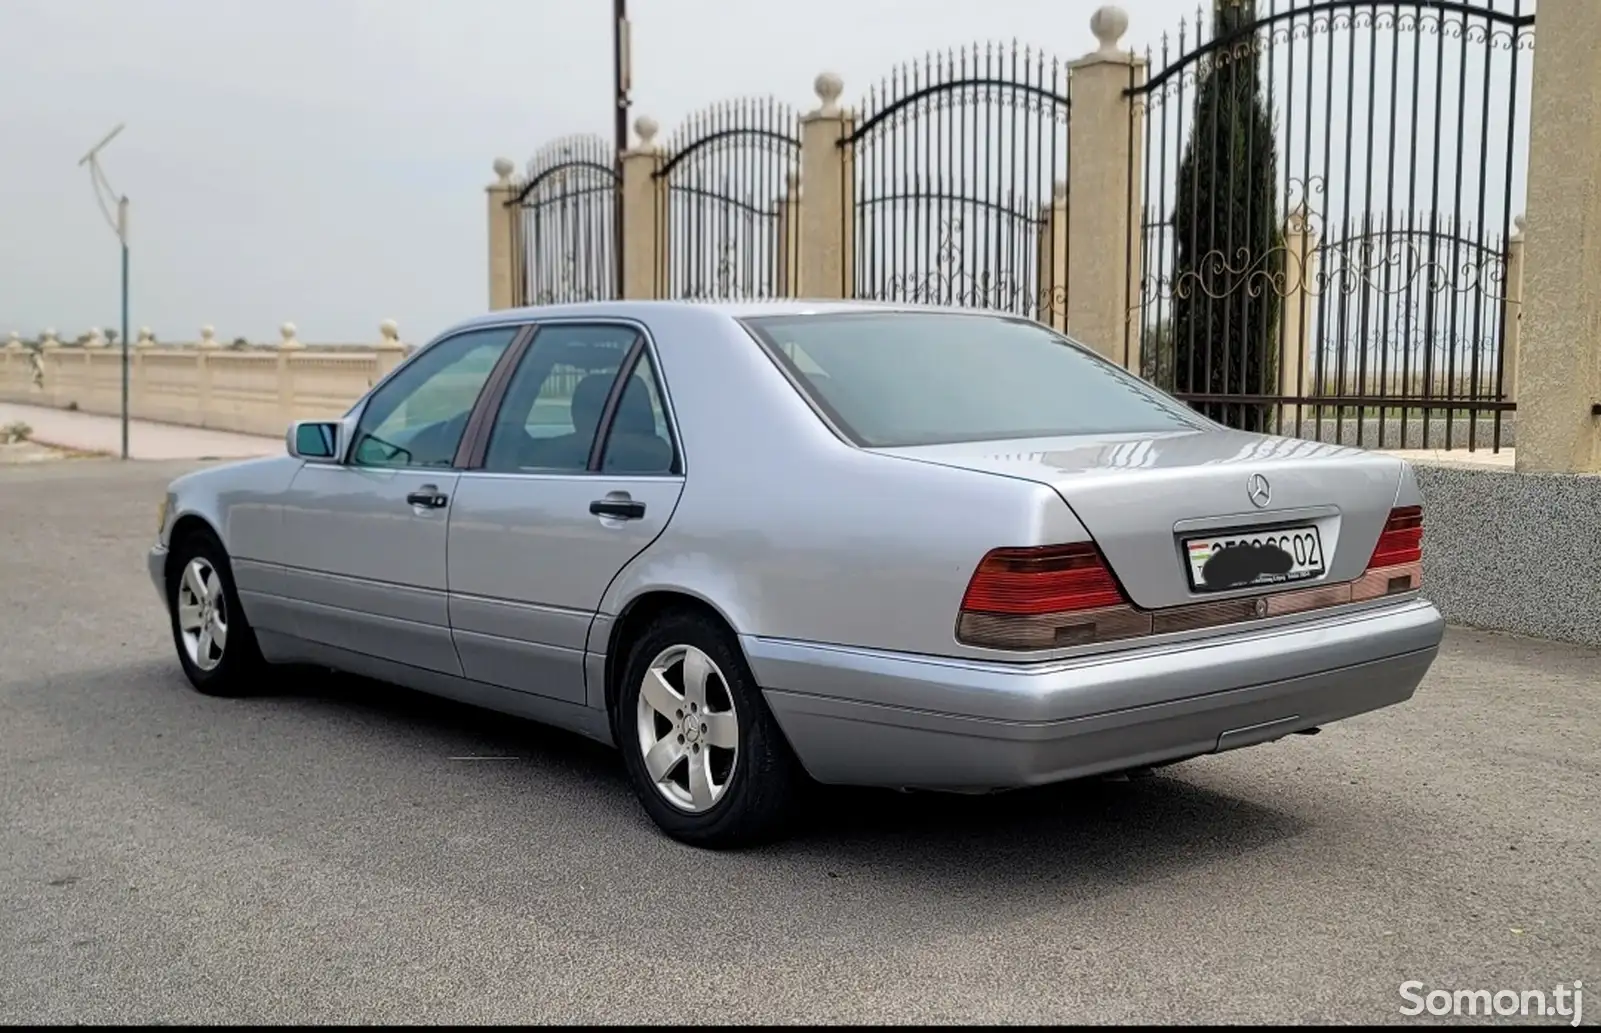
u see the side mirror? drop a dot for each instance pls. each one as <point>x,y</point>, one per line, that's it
<point>315,439</point>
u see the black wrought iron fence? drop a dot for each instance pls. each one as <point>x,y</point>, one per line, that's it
<point>566,240</point>
<point>950,175</point>
<point>1394,128</point>
<point>1402,307</point>
<point>730,225</point>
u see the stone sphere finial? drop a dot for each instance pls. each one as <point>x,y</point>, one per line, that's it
<point>208,337</point>
<point>646,128</point>
<point>828,88</point>
<point>503,170</point>
<point>1109,23</point>
<point>1059,191</point>
<point>793,179</point>
<point>14,341</point>
<point>389,337</point>
<point>287,332</point>
<point>1517,228</point>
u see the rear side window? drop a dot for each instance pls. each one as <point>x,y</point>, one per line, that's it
<point>896,379</point>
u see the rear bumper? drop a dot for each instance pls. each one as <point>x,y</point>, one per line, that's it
<point>860,717</point>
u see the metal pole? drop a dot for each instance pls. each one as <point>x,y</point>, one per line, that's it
<point>119,225</point>
<point>122,233</point>
<point>621,61</point>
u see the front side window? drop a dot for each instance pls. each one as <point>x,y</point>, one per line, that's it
<point>556,398</point>
<point>897,379</point>
<point>418,417</point>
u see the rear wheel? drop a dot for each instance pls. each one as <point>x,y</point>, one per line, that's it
<point>215,643</point>
<point>706,759</point>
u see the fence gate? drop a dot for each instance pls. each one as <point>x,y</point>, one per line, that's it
<point>1329,195</point>
<point>730,230</point>
<point>565,245</point>
<point>952,167</point>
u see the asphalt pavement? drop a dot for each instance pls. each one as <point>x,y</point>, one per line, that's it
<point>344,852</point>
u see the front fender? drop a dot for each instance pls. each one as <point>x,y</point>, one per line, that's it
<point>241,502</point>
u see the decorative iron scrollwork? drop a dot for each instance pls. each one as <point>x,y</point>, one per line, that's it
<point>1384,263</point>
<point>570,285</point>
<point>951,282</point>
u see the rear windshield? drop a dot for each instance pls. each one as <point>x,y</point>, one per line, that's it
<point>895,379</point>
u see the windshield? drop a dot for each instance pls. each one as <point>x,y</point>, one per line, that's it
<point>895,379</point>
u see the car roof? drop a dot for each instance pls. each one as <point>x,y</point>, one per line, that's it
<point>643,310</point>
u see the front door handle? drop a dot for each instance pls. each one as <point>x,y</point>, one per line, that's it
<point>428,498</point>
<point>618,509</point>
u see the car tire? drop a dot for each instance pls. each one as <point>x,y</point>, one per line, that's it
<point>201,600</point>
<point>754,787</point>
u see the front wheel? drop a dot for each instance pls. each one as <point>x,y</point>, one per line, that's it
<point>215,643</point>
<point>705,756</point>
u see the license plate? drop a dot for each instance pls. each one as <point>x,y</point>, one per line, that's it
<point>1225,561</point>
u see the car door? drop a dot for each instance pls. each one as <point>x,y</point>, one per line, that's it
<point>578,473</point>
<point>367,533</point>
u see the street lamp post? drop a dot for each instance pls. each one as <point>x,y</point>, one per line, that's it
<point>622,67</point>
<point>119,224</point>
<point>622,61</point>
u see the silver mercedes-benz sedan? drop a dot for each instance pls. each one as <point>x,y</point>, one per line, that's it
<point>754,545</point>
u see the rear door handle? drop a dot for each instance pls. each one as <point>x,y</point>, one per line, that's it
<point>618,509</point>
<point>428,498</point>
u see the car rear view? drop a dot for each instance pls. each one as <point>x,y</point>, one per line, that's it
<point>1227,588</point>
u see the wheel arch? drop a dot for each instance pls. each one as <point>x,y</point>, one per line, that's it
<point>186,527</point>
<point>637,614</point>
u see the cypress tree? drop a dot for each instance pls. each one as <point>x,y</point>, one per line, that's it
<point>1229,255</point>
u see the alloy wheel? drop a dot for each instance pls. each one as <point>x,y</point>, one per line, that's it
<point>202,614</point>
<point>688,728</point>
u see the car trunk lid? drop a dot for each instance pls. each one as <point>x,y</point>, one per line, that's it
<point>1142,497</point>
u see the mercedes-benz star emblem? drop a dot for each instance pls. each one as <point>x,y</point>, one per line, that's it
<point>1257,487</point>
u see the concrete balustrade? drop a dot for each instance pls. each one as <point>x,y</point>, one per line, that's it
<point>246,389</point>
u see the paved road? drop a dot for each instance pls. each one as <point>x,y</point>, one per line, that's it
<point>325,855</point>
<point>89,432</point>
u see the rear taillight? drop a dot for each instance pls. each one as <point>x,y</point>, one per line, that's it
<point>1046,597</point>
<point>1397,563</point>
<point>1055,596</point>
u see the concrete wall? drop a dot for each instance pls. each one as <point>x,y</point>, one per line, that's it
<point>254,390</point>
<point>1514,551</point>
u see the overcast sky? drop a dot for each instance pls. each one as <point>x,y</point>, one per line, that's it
<point>323,161</point>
